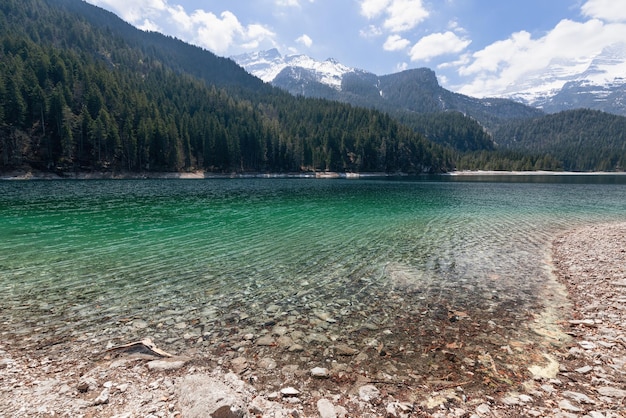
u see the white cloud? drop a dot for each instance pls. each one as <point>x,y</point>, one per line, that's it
<point>403,66</point>
<point>149,26</point>
<point>134,11</point>
<point>290,3</point>
<point>509,62</point>
<point>254,35</point>
<point>404,15</point>
<point>608,10</point>
<point>180,18</point>
<point>371,31</point>
<point>462,60</point>
<point>305,40</point>
<point>398,15</point>
<point>454,25</point>
<point>498,54</point>
<point>395,43</point>
<point>216,33</point>
<point>437,44</point>
<point>373,8</point>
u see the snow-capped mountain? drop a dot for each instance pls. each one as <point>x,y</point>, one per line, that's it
<point>598,84</point>
<point>415,91</point>
<point>268,65</point>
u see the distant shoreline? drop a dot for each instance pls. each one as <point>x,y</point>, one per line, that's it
<point>533,173</point>
<point>106,175</point>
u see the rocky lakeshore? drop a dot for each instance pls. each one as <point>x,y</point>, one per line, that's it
<point>437,362</point>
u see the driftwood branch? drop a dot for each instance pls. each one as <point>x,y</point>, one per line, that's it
<point>146,344</point>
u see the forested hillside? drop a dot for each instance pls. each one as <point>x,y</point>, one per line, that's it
<point>82,90</point>
<point>583,140</point>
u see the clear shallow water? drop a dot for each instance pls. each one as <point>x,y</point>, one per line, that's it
<point>121,259</point>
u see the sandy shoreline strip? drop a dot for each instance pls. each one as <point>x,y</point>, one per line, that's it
<point>199,174</point>
<point>589,380</point>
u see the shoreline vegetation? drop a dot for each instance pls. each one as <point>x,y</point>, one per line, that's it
<point>103,175</point>
<point>578,370</point>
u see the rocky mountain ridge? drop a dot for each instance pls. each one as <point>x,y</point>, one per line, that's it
<point>599,84</point>
<point>411,92</point>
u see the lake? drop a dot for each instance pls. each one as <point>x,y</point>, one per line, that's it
<point>401,266</point>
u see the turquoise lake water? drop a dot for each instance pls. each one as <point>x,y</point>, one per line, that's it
<point>223,256</point>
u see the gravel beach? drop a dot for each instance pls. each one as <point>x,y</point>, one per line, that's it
<point>582,374</point>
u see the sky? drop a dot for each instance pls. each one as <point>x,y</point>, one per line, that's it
<point>476,47</point>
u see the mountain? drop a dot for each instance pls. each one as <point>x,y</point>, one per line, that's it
<point>414,91</point>
<point>269,65</point>
<point>598,84</point>
<point>81,90</point>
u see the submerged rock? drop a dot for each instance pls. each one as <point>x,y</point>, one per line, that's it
<point>266,341</point>
<point>345,350</point>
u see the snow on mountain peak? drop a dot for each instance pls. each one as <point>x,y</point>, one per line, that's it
<point>597,82</point>
<point>605,69</point>
<point>266,65</point>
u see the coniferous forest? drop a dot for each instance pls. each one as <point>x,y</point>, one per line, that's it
<point>81,90</point>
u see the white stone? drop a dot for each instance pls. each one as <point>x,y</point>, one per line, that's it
<point>204,396</point>
<point>289,391</point>
<point>584,369</point>
<point>510,400</point>
<point>483,409</point>
<point>162,365</point>
<point>612,392</point>
<point>587,345</point>
<point>319,372</point>
<point>369,393</point>
<point>103,398</point>
<point>578,397</point>
<point>326,409</point>
<point>567,406</point>
<point>587,322</point>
